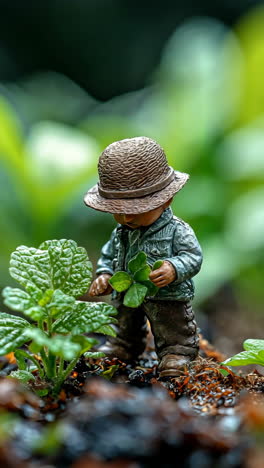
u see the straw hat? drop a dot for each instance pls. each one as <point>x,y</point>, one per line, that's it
<point>134,178</point>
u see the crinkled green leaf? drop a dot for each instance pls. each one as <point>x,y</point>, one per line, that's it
<point>135,295</point>
<point>35,312</point>
<point>41,392</point>
<point>152,288</point>
<point>21,359</point>
<point>46,298</point>
<point>84,342</point>
<point>94,355</point>
<point>244,358</point>
<point>22,375</point>
<point>142,274</point>
<point>71,268</point>
<point>120,281</point>
<point>12,332</point>
<point>58,345</point>
<point>17,299</point>
<point>56,264</point>
<point>86,317</point>
<point>137,262</point>
<point>21,301</point>
<point>108,374</point>
<point>253,345</point>
<point>31,268</point>
<point>107,330</point>
<point>157,264</point>
<point>60,303</point>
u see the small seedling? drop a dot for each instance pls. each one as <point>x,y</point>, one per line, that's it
<point>53,276</point>
<point>253,354</point>
<point>136,282</point>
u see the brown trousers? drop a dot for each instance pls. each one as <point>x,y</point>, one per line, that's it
<point>172,323</point>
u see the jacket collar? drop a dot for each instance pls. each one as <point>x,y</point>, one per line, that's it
<point>164,219</point>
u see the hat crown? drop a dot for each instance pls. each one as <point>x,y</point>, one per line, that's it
<point>132,163</point>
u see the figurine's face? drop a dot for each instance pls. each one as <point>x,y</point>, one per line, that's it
<point>134,221</point>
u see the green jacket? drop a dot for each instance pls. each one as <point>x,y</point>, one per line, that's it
<point>169,238</point>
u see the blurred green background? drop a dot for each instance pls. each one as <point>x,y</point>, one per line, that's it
<point>78,75</point>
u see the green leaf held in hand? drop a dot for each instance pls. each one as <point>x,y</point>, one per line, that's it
<point>157,264</point>
<point>137,262</point>
<point>142,274</point>
<point>135,295</point>
<point>152,288</point>
<point>120,281</point>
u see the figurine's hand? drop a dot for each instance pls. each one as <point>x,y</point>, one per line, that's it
<point>163,275</point>
<point>100,286</point>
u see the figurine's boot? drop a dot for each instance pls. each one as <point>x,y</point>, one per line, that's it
<point>131,330</point>
<point>175,333</point>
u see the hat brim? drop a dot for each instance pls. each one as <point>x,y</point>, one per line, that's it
<point>135,205</point>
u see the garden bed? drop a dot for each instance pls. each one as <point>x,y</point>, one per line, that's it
<point>113,414</point>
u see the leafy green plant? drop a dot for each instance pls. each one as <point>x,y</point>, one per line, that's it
<point>53,276</point>
<point>136,282</point>
<point>253,354</point>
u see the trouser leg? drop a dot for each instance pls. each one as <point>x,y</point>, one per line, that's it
<point>174,327</point>
<point>131,331</point>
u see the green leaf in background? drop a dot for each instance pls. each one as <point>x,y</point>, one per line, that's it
<point>12,332</point>
<point>142,274</point>
<point>87,317</point>
<point>22,375</point>
<point>70,268</point>
<point>8,423</point>
<point>244,358</point>
<point>253,345</point>
<point>157,264</point>
<point>135,295</point>
<point>139,261</point>
<point>120,281</point>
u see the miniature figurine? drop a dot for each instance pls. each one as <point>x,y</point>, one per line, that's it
<point>137,186</point>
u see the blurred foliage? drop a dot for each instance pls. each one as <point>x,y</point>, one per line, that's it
<point>205,106</point>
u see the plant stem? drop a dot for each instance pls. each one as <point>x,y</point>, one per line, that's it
<point>61,367</point>
<point>44,360</point>
<point>33,359</point>
<point>65,374</point>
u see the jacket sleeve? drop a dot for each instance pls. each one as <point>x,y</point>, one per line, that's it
<point>105,262</point>
<point>188,253</point>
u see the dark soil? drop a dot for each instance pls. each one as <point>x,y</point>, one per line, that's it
<point>202,419</point>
